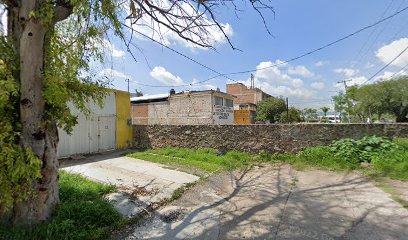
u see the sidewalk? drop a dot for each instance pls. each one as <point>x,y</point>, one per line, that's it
<point>141,184</point>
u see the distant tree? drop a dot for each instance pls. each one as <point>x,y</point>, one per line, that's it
<point>309,114</point>
<point>390,96</point>
<point>325,110</point>
<point>343,104</point>
<point>292,116</point>
<point>270,109</point>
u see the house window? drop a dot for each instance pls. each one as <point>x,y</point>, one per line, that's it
<point>218,101</point>
<point>229,103</point>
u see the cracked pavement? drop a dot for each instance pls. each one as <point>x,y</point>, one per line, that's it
<point>278,202</point>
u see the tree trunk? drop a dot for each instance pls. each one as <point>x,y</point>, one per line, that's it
<point>402,114</point>
<point>36,133</point>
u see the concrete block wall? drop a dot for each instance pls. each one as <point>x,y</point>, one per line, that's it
<point>254,138</point>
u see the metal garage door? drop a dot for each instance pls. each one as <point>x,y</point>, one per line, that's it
<point>106,132</point>
<point>92,134</point>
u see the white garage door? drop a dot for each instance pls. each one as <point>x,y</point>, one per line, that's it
<point>92,134</point>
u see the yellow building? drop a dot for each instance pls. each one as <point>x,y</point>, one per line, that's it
<point>106,128</point>
<point>123,120</point>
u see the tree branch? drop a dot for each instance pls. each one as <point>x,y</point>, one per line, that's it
<point>62,10</point>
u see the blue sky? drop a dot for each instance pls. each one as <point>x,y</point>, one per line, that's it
<point>298,27</point>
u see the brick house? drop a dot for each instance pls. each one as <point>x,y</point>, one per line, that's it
<point>184,108</point>
<point>245,102</point>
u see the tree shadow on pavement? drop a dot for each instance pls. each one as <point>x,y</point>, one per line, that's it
<point>283,203</point>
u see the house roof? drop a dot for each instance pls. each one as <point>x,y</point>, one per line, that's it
<point>149,98</point>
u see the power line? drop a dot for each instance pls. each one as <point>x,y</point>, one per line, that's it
<point>360,52</point>
<point>384,27</point>
<point>183,55</point>
<point>401,69</point>
<point>325,46</point>
<point>182,85</point>
<point>388,64</point>
<point>274,65</point>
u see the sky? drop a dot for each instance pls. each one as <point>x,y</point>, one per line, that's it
<point>296,27</point>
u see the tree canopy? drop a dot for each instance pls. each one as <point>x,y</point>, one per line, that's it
<point>44,64</point>
<point>293,115</point>
<point>273,109</point>
<point>382,97</point>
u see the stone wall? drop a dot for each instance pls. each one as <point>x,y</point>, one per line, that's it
<point>253,138</point>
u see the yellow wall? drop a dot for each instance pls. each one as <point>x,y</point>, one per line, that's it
<point>123,129</point>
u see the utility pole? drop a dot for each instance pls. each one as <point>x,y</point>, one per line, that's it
<point>345,83</point>
<point>252,81</point>
<point>345,91</point>
<point>127,80</point>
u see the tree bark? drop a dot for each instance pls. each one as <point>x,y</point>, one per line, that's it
<point>36,133</point>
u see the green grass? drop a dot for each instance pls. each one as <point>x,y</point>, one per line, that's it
<point>386,159</point>
<point>82,214</point>
<point>403,142</point>
<point>393,165</point>
<point>386,187</point>
<point>204,159</point>
<point>315,157</point>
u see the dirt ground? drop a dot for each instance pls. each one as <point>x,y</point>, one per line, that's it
<point>278,202</point>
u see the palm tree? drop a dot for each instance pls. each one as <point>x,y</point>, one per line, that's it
<point>325,110</point>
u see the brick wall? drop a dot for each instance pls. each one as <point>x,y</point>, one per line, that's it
<point>253,138</point>
<point>244,94</point>
<point>140,114</point>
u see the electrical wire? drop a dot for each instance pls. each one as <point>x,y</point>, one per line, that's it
<point>401,69</point>
<point>384,67</point>
<point>361,53</point>
<point>183,55</point>
<point>324,46</point>
<point>271,66</point>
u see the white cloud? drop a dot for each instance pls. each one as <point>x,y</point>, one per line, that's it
<point>273,80</point>
<point>389,75</point>
<point>317,85</point>
<point>297,83</point>
<point>269,72</point>
<point>162,75</point>
<point>213,35</point>
<point>201,87</point>
<point>369,65</point>
<point>347,72</point>
<point>390,51</point>
<point>112,50</point>
<point>111,73</point>
<point>321,63</point>
<point>357,80</point>
<point>300,71</point>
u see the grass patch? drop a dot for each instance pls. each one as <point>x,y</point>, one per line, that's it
<point>402,142</point>
<point>395,195</point>
<point>393,165</point>
<point>82,214</point>
<point>387,157</point>
<point>207,160</point>
<point>315,157</point>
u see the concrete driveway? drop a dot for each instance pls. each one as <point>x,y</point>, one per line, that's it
<point>141,184</point>
<point>278,202</point>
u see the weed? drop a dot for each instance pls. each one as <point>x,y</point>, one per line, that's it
<point>203,158</point>
<point>82,214</point>
<point>364,149</point>
<point>402,142</point>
